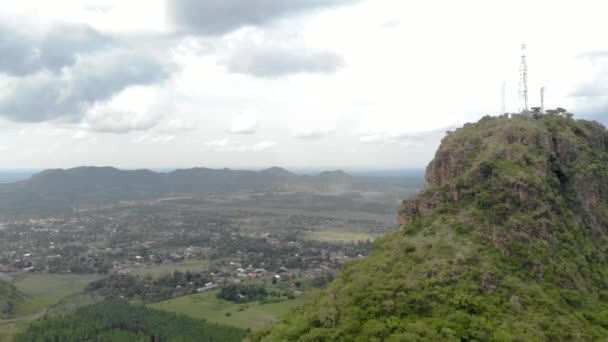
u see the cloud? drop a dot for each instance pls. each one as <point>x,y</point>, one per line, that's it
<point>80,135</point>
<point>144,138</point>
<point>593,55</point>
<point>591,96</point>
<point>312,134</point>
<point>245,124</point>
<point>96,78</point>
<point>216,17</point>
<point>173,125</point>
<point>405,139</point>
<point>26,53</point>
<point>103,120</point>
<point>391,24</point>
<point>218,143</point>
<point>597,85</point>
<point>256,147</point>
<point>227,145</point>
<point>139,108</point>
<point>268,59</point>
<point>57,71</point>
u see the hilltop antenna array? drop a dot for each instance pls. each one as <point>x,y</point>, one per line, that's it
<point>523,78</point>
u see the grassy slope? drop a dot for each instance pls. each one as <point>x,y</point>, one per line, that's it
<point>42,293</point>
<point>8,293</point>
<point>207,306</point>
<point>45,290</point>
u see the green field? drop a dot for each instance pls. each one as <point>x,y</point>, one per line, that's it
<point>9,329</point>
<point>250,315</point>
<point>157,270</point>
<point>43,293</point>
<point>339,236</point>
<point>44,290</point>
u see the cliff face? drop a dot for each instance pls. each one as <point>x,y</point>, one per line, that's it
<point>508,242</point>
<point>527,182</point>
<point>573,152</point>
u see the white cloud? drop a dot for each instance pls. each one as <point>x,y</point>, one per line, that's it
<point>408,72</point>
<point>259,54</point>
<point>228,145</point>
<point>246,123</point>
<point>218,143</point>
<point>405,138</point>
<point>256,147</point>
<point>145,138</point>
<point>134,109</point>
<point>312,134</point>
<point>80,135</point>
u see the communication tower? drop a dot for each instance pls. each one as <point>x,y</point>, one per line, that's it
<point>542,100</point>
<point>523,79</point>
<point>503,109</point>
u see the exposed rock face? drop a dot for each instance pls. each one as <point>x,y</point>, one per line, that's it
<point>420,207</point>
<point>571,151</point>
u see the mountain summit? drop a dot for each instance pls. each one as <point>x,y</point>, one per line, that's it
<point>508,242</point>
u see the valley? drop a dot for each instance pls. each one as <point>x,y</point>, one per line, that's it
<point>289,242</point>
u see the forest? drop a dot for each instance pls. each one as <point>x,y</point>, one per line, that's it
<point>120,321</point>
<point>149,289</point>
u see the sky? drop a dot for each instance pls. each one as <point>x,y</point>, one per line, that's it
<point>348,84</point>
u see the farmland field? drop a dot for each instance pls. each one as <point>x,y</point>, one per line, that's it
<point>187,265</point>
<point>339,236</point>
<point>249,315</point>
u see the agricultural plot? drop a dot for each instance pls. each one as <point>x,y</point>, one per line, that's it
<point>207,306</point>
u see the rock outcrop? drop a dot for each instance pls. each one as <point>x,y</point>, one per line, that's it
<point>558,147</point>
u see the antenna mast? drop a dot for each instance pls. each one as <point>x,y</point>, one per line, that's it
<point>502,99</point>
<point>542,100</point>
<point>523,78</point>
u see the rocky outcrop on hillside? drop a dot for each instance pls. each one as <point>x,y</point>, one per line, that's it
<point>572,151</point>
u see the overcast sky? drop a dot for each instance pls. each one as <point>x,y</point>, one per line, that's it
<point>298,83</point>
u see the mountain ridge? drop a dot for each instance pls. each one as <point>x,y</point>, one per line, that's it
<point>60,191</point>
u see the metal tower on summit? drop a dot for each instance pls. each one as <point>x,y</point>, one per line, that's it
<point>523,79</point>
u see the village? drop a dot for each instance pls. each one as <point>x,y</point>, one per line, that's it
<point>230,246</point>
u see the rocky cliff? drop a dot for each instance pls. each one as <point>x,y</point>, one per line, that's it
<point>508,242</point>
<point>551,169</point>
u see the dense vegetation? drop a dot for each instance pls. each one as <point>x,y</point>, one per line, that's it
<point>509,242</point>
<point>242,293</point>
<point>149,289</point>
<point>116,321</point>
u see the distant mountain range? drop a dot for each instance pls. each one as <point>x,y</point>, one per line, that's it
<point>57,191</point>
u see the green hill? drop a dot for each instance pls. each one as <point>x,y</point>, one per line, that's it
<point>508,242</point>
